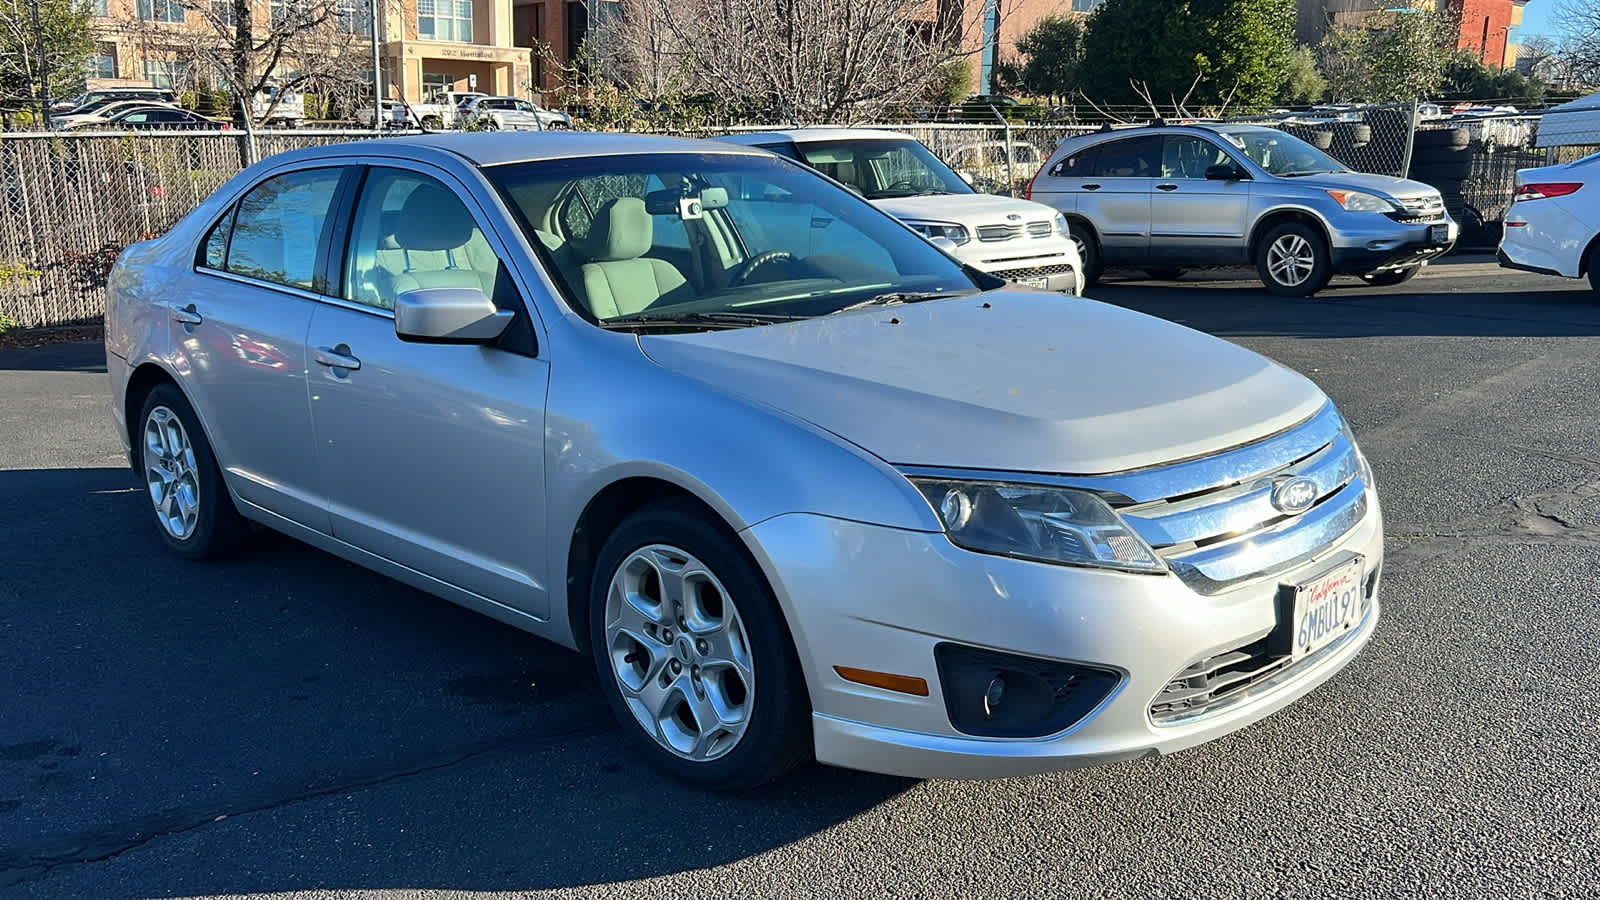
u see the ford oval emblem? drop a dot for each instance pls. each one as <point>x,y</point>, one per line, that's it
<point>1293,496</point>
<point>1014,216</point>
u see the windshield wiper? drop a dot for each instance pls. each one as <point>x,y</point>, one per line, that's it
<point>894,298</point>
<point>728,319</point>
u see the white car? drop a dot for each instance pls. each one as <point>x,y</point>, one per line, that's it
<point>513,114</point>
<point>101,115</point>
<point>1021,241</point>
<point>1553,225</point>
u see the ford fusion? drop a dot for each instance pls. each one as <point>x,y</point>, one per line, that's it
<point>803,485</point>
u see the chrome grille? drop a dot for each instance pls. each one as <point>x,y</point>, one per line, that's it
<point>1219,534</point>
<point>1031,272</point>
<point>1040,229</point>
<point>1423,209</point>
<point>993,233</point>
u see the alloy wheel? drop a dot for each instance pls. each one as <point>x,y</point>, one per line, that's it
<point>680,653</point>
<point>170,474</point>
<point>1291,259</point>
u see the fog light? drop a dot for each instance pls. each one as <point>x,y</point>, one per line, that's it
<point>994,694</point>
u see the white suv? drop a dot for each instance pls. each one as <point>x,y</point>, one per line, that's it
<point>1021,241</point>
<point>1553,225</point>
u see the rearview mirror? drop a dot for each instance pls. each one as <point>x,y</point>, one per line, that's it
<point>449,316</point>
<point>1226,172</point>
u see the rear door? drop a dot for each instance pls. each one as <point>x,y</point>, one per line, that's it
<point>1196,221</point>
<point>1114,196</point>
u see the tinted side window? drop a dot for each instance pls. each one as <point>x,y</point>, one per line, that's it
<point>279,226</point>
<point>1078,165</point>
<point>1138,157</point>
<point>1183,156</point>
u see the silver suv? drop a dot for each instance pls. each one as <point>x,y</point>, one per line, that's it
<point>1161,198</point>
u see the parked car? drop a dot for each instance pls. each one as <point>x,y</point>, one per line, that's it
<point>147,118</point>
<point>396,114</point>
<point>100,113</point>
<point>513,114</point>
<point>443,109</point>
<point>861,502</point>
<point>1013,239</point>
<point>285,111</point>
<point>111,95</point>
<point>985,163</point>
<point>1165,198</point>
<point>1553,225</point>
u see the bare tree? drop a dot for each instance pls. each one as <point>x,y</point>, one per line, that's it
<point>810,61</point>
<point>246,46</point>
<point>1576,47</point>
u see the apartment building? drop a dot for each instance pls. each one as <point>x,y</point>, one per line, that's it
<point>1488,29</point>
<point>1000,25</point>
<point>424,45</point>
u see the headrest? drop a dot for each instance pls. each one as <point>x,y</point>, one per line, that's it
<point>432,218</point>
<point>622,229</point>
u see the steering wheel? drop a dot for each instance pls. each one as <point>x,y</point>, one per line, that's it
<point>756,262</point>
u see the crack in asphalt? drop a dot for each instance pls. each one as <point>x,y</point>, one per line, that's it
<point>20,867</point>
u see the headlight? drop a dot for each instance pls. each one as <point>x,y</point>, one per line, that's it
<point>956,234</point>
<point>1361,458</point>
<point>1049,524</point>
<point>1062,228</point>
<point>1356,201</point>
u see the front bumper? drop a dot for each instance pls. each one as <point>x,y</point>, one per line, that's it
<point>1387,244</point>
<point>881,599</point>
<point>1051,263</point>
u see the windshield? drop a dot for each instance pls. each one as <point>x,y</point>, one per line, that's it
<point>1283,154</point>
<point>713,240</point>
<point>880,169</point>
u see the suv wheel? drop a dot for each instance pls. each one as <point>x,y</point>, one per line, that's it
<point>1293,260</point>
<point>1088,251</point>
<point>1391,277</point>
<point>693,654</point>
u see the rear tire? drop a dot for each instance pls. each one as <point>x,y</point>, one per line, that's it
<point>1088,251</point>
<point>1293,260</point>
<point>194,513</point>
<point>1594,268</point>
<point>1391,277</point>
<point>683,621</point>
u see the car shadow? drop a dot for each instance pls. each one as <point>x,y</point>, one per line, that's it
<point>372,735</point>
<point>78,356</point>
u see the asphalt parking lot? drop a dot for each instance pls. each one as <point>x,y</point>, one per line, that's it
<point>286,723</point>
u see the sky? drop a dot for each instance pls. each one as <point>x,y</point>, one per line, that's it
<point>1538,17</point>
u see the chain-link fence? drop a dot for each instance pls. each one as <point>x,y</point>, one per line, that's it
<point>70,203</point>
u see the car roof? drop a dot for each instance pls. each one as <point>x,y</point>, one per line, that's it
<point>816,135</point>
<point>499,148</point>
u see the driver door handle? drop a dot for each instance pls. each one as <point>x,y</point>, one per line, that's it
<point>186,315</point>
<point>1166,187</point>
<point>1091,187</point>
<point>337,358</point>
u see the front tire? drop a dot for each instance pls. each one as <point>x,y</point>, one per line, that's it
<point>1391,277</point>
<point>194,513</point>
<point>1293,260</point>
<point>693,654</point>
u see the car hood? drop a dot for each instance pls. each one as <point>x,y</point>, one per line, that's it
<point>1006,380</point>
<point>1398,188</point>
<point>981,209</point>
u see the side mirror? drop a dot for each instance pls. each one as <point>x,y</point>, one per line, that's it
<point>448,316</point>
<point>1226,172</point>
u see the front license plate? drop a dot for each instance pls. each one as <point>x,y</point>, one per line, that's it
<point>1439,234</point>
<point>1325,608</point>
<point>1040,283</point>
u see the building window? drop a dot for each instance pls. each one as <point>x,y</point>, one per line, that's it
<point>100,8</point>
<point>164,74</point>
<point>444,20</point>
<point>161,10</point>
<point>355,16</point>
<point>577,29</point>
<point>1084,6</point>
<point>103,64</point>
<point>223,11</point>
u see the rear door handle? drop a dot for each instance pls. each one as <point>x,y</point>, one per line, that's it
<point>1091,187</point>
<point>1166,187</point>
<point>337,358</point>
<point>186,315</point>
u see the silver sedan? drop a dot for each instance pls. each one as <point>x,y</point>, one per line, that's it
<point>802,484</point>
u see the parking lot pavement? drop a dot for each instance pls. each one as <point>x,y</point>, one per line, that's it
<point>287,723</point>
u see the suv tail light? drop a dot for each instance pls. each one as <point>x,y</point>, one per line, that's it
<point>1541,190</point>
<point>1027,194</point>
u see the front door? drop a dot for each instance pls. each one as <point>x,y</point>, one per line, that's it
<point>432,455</point>
<point>1195,221</point>
<point>1115,196</point>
